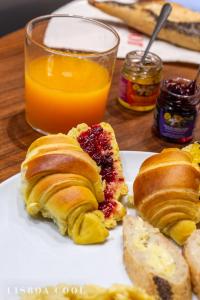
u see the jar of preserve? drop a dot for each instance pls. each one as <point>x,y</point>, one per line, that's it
<point>140,81</point>
<point>176,110</point>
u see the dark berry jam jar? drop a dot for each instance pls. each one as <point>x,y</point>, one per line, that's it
<point>176,110</point>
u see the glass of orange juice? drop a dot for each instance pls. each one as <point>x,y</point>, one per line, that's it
<point>69,62</point>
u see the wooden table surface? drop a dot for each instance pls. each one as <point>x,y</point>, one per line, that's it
<point>133,130</point>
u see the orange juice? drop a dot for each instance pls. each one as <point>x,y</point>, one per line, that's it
<point>63,91</point>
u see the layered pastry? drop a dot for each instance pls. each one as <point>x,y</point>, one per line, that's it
<point>166,193</point>
<point>100,143</point>
<point>154,262</point>
<point>88,292</point>
<point>182,27</point>
<point>77,181</point>
<point>61,182</point>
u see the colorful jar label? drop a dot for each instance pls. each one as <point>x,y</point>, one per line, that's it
<point>136,94</point>
<point>175,126</point>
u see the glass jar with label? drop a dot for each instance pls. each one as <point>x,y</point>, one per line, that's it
<point>140,81</point>
<point>176,110</point>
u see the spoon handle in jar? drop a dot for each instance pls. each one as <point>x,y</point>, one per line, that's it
<point>165,11</point>
<point>197,75</point>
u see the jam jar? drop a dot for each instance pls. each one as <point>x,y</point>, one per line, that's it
<point>140,81</point>
<point>176,110</point>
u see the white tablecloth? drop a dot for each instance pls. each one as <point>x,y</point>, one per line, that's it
<point>129,39</point>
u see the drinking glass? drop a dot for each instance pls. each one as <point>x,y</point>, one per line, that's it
<point>69,62</point>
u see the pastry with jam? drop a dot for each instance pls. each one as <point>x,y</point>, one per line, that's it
<point>100,143</point>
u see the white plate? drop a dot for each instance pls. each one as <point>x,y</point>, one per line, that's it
<point>34,254</point>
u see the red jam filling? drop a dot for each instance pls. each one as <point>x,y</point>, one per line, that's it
<point>107,207</point>
<point>96,142</point>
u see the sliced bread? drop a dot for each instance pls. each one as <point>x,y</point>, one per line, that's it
<point>192,256</point>
<point>154,262</point>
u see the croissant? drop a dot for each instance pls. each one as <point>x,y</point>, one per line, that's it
<point>166,193</point>
<point>61,181</point>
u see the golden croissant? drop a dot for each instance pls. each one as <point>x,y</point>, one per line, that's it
<point>166,193</point>
<point>61,182</point>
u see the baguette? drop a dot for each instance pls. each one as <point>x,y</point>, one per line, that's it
<point>192,255</point>
<point>153,262</point>
<point>100,143</point>
<point>182,27</point>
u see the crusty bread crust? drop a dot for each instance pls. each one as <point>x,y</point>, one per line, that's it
<point>192,255</point>
<point>142,16</point>
<point>150,280</point>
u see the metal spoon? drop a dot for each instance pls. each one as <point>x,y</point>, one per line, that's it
<point>197,75</point>
<point>193,83</point>
<point>165,11</point>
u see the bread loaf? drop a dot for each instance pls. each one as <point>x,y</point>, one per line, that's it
<point>153,262</point>
<point>182,27</point>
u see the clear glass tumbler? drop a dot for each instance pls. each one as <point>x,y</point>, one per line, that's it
<point>69,61</point>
